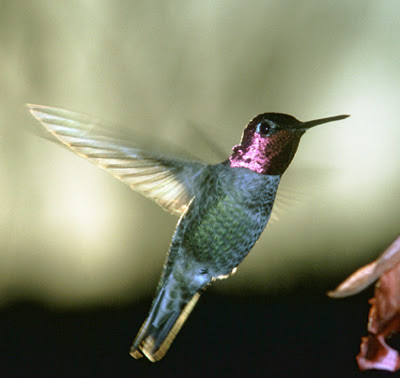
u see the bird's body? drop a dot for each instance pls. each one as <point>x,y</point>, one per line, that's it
<point>223,208</point>
<point>211,239</point>
<point>233,206</point>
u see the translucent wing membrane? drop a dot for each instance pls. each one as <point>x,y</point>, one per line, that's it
<point>169,181</point>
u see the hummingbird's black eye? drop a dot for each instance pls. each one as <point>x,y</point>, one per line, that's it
<point>263,128</point>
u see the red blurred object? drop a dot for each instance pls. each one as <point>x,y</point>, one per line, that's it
<point>383,322</point>
<point>384,316</point>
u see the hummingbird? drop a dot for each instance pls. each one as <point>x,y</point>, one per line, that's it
<point>223,208</point>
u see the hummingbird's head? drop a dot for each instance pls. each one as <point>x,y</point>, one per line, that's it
<point>269,142</point>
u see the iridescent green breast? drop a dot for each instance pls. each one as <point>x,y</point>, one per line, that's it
<point>225,221</point>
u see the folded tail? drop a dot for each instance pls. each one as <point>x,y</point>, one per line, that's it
<point>165,319</point>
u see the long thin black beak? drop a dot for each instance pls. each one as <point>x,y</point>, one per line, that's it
<point>316,122</point>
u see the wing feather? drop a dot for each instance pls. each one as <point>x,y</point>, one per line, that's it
<point>168,180</point>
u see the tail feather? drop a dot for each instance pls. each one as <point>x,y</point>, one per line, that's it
<point>153,340</point>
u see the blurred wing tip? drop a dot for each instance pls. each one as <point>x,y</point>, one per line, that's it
<point>41,112</point>
<point>34,108</point>
<point>42,107</point>
<point>55,120</point>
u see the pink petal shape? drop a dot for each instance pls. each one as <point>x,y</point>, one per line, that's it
<point>383,322</point>
<point>384,316</point>
<point>366,275</point>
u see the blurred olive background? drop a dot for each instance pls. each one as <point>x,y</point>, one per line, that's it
<point>192,74</point>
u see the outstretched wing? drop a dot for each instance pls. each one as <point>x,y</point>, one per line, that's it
<point>169,181</point>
